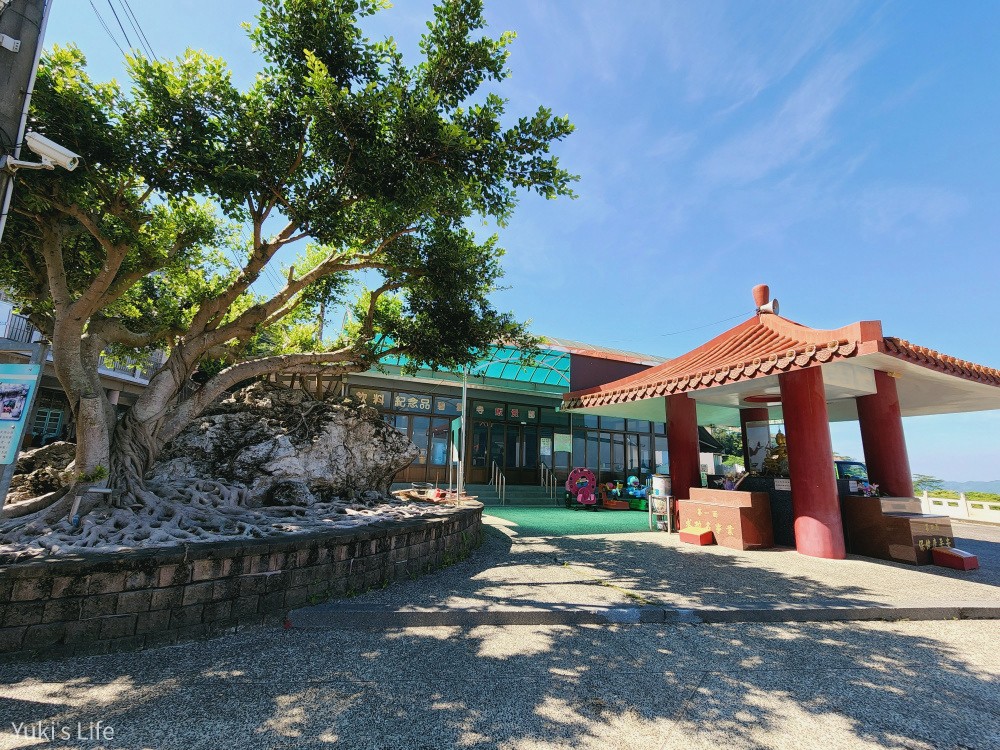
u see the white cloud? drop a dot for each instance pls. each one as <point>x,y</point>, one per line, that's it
<point>671,146</point>
<point>904,210</point>
<point>799,128</point>
<point>737,50</point>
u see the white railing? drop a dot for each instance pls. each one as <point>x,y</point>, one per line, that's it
<point>499,482</point>
<point>974,510</point>
<point>547,479</point>
<point>18,328</point>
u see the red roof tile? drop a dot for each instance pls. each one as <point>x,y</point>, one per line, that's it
<point>764,345</point>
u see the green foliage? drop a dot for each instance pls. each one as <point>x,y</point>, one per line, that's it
<point>731,440</point>
<point>922,482</point>
<point>380,163</point>
<point>97,474</point>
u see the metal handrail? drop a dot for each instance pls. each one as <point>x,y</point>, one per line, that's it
<point>498,480</point>
<point>547,479</point>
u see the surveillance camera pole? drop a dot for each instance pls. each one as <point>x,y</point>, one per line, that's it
<point>21,21</point>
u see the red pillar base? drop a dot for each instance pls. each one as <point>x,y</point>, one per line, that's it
<point>819,531</point>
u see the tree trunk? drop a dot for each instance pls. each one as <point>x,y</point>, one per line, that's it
<point>134,449</point>
<point>93,437</point>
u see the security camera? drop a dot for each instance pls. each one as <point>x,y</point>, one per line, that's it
<point>52,152</point>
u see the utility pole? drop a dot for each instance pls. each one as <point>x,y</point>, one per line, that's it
<point>22,32</point>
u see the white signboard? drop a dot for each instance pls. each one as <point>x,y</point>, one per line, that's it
<point>783,484</point>
<point>564,442</point>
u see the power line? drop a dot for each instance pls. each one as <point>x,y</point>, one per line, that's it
<point>101,19</point>
<point>140,32</point>
<point>707,325</point>
<point>120,26</point>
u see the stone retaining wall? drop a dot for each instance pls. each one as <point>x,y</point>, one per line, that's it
<point>102,602</point>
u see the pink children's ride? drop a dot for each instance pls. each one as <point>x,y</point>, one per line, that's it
<point>581,484</point>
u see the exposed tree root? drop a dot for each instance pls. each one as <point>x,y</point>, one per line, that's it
<point>168,514</point>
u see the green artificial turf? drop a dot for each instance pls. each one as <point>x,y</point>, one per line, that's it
<point>566,522</point>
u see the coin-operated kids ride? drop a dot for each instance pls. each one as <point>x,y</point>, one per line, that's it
<point>636,493</point>
<point>611,496</point>
<point>580,486</point>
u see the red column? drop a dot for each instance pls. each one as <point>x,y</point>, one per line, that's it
<point>682,445</point>
<point>882,438</point>
<point>758,414</point>
<point>819,531</point>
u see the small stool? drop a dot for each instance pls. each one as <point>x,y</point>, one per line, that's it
<point>949,557</point>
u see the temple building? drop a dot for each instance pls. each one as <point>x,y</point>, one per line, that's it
<point>771,368</point>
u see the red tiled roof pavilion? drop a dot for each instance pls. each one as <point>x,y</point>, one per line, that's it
<point>770,367</point>
<point>740,368</point>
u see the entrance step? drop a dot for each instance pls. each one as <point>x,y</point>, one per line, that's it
<point>517,494</point>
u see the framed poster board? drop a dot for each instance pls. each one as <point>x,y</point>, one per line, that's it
<point>17,383</point>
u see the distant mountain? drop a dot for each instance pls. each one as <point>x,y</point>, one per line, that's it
<point>993,486</point>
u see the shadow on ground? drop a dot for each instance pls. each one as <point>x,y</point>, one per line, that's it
<point>834,685</point>
<point>844,685</point>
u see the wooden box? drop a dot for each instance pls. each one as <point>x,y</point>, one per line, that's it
<point>741,520</point>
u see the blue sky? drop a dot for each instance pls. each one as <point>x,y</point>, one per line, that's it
<point>846,154</point>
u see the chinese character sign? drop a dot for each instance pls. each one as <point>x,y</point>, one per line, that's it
<point>413,402</point>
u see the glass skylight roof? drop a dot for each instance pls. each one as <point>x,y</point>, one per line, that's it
<point>548,371</point>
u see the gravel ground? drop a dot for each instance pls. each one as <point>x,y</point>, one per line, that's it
<point>837,685</point>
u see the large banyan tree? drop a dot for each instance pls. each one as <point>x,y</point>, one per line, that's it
<point>191,188</point>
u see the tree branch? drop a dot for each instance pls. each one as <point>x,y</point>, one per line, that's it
<point>340,361</point>
<point>282,303</point>
<point>55,270</point>
<point>211,312</point>
<point>115,332</point>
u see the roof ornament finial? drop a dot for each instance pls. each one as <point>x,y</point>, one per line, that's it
<point>762,300</point>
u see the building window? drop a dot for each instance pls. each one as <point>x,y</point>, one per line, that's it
<point>662,462</point>
<point>613,423</point>
<point>440,430</point>
<point>419,436</point>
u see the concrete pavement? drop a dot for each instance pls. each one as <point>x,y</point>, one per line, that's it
<point>920,684</point>
<point>836,685</point>
<point>511,573</point>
